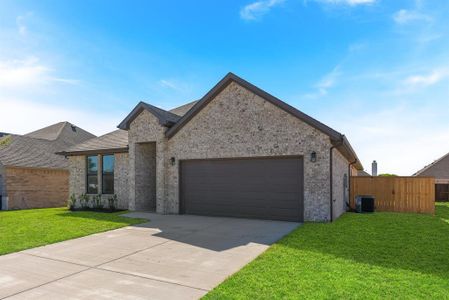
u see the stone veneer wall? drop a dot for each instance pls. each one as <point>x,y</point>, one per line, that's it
<point>340,194</point>
<point>77,181</point>
<point>238,123</point>
<point>145,128</point>
<point>145,177</point>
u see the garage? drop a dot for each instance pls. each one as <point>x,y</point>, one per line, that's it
<point>262,188</point>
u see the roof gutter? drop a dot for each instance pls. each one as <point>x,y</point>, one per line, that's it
<point>96,151</point>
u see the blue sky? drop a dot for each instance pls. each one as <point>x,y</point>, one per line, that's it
<point>375,70</point>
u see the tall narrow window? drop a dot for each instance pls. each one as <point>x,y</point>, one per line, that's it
<point>108,174</point>
<point>92,174</point>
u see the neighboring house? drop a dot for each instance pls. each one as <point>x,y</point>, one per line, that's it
<point>440,170</point>
<point>31,174</point>
<point>363,173</point>
<point>237,152</point>
<point>2,134</point>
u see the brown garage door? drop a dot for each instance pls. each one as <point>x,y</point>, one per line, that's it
<point>263,188</point>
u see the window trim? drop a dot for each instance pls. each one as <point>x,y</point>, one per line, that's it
<point>87,175</point>
<point>101,170</point>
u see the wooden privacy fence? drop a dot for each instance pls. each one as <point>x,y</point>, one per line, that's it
<point>397,194</point>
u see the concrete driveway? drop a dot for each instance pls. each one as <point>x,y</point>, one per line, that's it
<point>170,257</point>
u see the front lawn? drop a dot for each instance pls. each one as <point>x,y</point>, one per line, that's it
<point>23,229</point>
<point>381,255</point>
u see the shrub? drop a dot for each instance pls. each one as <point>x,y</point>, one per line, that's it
<point>84,201</point>
<point>71,202</point>
<point>97,202</point>
<point>112,202</point>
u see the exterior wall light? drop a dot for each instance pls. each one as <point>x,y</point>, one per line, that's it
<point>313,156</point>
<point>172,161</point>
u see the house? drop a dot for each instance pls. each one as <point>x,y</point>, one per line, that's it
<point>439,169</point>
<point>237,152</point>
<point>31,174</point>
<point>363,173</point>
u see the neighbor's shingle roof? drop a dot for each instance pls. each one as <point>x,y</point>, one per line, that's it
<point>113,141</point>
<point>38,149</point>
<point>438,169</point>
<point>363,173</point>
<point>23,151</point>
<point>183,109</point>
<point>64,131</point>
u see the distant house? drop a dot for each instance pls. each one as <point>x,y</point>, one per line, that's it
<point>440,170</point>
<point>2,134</point>
<point>363,173</point>
<point>31,174</point>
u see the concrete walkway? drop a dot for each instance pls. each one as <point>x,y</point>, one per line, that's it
<point>170,257</point>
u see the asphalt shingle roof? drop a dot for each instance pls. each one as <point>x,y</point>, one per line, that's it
<point>438,169</point>
<point>116,140</point>
<point>183,109</point>
<point>38,149</point>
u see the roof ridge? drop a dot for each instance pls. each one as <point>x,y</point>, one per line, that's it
<point>58,135</point>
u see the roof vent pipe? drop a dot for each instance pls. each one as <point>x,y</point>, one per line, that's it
<point>374,168</point>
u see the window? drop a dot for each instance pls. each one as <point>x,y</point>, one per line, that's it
<point>108,174</point>
<point>92,175</point>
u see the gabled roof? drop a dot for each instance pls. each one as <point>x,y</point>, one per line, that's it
<point>230,77</point>
<point>438,169</point>
<point>165,118</point>
<point>175,122</point>
<point>339,140</point>
<point>183,109</point>
<point>112,142</point>
<point>37,149</point>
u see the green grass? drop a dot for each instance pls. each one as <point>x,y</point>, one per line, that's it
<point>360,256</point>
<point>24,229</point>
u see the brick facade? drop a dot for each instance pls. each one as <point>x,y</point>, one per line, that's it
<point>36,188</point>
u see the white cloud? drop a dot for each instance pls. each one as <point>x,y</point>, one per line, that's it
<point>256,10</point>
<point>20,22</point>
<point>404,16</point>
<point>168,84</point>
<point>348,2</point>
<point>325,83</point>
<point>174,85</point>
<point>27,73</point>
<point>426,80</point>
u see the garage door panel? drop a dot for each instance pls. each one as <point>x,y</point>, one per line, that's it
<point>266,188</point>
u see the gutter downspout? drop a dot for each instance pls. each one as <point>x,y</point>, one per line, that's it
<point>349,183</point>
<point>331,179</point>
